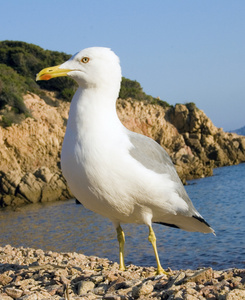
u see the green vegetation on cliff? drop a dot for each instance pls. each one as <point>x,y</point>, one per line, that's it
<point>28,59</point>
<point>19,64</point>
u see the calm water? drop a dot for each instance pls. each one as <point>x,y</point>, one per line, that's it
<point>67,227</point>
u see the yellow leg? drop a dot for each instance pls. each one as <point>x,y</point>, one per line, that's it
<point>152,239</point>
<point>121,241</point>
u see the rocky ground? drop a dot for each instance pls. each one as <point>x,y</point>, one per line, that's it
<point>31,274</point>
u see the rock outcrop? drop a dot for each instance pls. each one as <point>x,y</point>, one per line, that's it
<point>207,142</point>
<point>40,186</point>
<point>195,145</point>
<point>30,151</point>
<point>30,155</point>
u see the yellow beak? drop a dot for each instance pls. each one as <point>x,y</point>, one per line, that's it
<point>51,72</point>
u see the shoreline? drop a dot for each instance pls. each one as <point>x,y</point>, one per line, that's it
<point>33,274</point>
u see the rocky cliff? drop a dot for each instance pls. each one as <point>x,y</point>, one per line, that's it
<point>30,151</point>
<point>30,155</point>
<point>195,145</point>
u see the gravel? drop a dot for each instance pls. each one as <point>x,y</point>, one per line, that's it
<point>34,274</point>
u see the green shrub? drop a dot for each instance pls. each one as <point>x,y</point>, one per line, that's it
<point>191,106</point>
<point>19,64</point>
<point>132,89</point>
<point>13,86</point>
<point>10,117</point>
<point>67,93</point>
<point>28,59</point>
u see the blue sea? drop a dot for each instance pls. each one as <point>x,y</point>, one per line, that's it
<point>64,226</point>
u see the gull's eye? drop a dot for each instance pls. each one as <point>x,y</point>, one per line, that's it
<point>85,60</point>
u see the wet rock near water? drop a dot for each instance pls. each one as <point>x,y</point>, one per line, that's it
<point>17,189</point>
<point>31,274</point>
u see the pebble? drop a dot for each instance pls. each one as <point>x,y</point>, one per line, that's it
<point>5,279</point>
<point>30,274</point>
<point>84,287</point>
<point>142,290</point>
<point>13,292</point>
<point>29,297</point>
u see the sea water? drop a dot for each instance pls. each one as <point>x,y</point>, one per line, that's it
<point>64,226</point>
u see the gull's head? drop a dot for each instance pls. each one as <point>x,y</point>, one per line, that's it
<point>91,67</point>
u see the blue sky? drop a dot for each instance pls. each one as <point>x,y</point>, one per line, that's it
<point>179,50</point>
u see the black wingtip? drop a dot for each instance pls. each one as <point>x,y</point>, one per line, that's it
<point>78,202</point>
<point>167,224</point>
<point>201,220</point>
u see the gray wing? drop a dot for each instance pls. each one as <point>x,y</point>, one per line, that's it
<point>152,156</point>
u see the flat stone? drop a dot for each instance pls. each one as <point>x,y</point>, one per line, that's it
<point>14,293</point>
<point>112,297</point>
<point>29,297</point>
<point>142,290</point>
<point>201,276</point>
<point>5,279</point>
<point>84,287</point>
<point>191,297</point>
<point>5,297</point>
<point>101,289</point>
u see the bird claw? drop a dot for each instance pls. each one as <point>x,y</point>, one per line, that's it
<point>160,271</point>
<point>122,268</point>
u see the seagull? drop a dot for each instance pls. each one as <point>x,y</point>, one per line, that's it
<point>121,175</point>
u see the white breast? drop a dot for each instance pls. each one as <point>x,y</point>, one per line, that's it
<point>91,156</point>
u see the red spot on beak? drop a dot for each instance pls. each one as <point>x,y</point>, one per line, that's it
<point>46,77</point>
